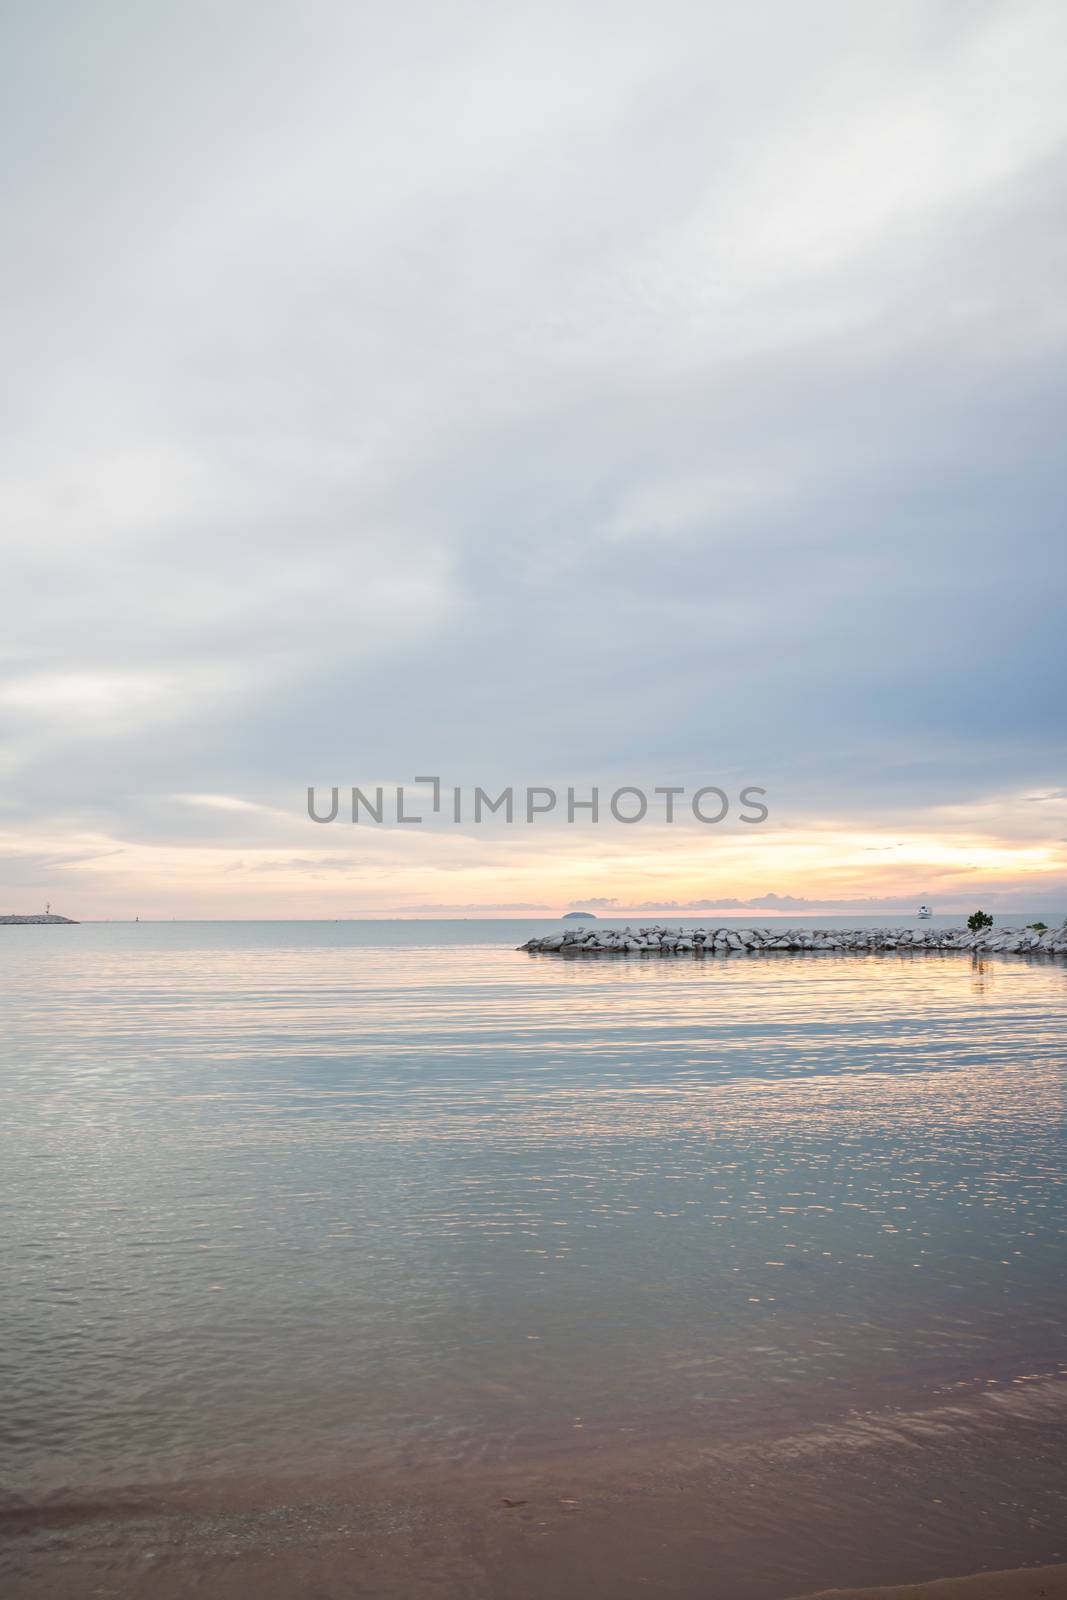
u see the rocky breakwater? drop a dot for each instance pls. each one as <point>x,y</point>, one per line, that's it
<point>656,940</point>
<point>40,918</point>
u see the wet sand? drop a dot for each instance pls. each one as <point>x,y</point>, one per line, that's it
<point>1034,1583</point>
<point>881,1498</point>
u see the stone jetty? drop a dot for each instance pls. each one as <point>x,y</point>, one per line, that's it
<point>655,940</point>
<point>40,917</point>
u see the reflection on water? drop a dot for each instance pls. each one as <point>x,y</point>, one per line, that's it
<point>271,1199</point>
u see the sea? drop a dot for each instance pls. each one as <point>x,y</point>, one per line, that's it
<point>397,1203</point>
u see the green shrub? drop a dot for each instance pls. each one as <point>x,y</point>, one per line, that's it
<point>1038,927</point>
<point>979,919</point>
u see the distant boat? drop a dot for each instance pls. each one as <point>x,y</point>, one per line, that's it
<point>924,912</point>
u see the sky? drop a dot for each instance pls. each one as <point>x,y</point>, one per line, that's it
<point>560,395</point>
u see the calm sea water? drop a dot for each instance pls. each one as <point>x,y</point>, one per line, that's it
<point>277,1196</point>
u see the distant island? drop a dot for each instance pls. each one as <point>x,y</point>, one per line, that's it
<point>579,916</point>
<point>39,917</point>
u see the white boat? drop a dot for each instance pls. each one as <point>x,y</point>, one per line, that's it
<point>924,912</point>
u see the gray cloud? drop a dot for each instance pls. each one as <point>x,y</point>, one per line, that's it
<point>599,395</point>
<point>39,869</point>
<point>467,909</point>
<point>859,905</point>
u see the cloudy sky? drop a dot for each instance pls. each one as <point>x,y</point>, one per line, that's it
<point>532,394</point>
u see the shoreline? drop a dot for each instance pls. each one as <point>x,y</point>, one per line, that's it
<point>1012,1583</point>
<point>909,1498</point>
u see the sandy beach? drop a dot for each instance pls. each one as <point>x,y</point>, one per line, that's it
<point>1027,1583</point>
<point>882,1497</point>
<point>548,1548</point>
